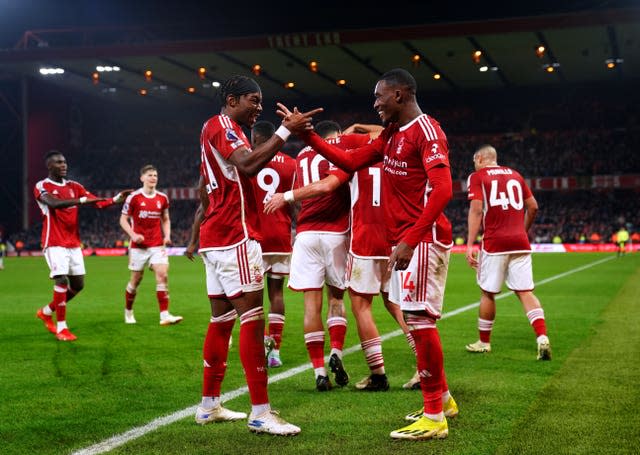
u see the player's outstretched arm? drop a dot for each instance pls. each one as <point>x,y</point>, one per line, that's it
<point>315,189</point>
<point>352,161</point>
<point>250,162</point>
<point>57,203</point>
<point>102,202</point>
<point>365,128</point>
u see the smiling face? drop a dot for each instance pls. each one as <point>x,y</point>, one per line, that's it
<point>386,102</point>
<point>57,166</point>
<point>245,109</point>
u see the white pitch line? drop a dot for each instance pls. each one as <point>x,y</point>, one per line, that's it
<point>137,432</point>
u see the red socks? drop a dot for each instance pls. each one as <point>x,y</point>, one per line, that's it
<point>59,302</point>
<point>315,346</point>
<point>430,365</point>
<point>215,352</point>
<point>536,319</point>
<point>337,327</point>
<point>163,297</point>
<point>252,354</point>
<point>276,327</point>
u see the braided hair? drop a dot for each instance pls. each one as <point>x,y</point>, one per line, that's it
<point>236,86</point>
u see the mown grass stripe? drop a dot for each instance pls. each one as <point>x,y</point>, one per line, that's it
<point>137,432</point>
<point>589,405</point>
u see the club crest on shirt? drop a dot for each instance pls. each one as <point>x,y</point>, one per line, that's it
<point>158,204</point>
<point>399,147</point>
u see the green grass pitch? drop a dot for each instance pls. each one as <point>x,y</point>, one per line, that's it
<point>60,397</point>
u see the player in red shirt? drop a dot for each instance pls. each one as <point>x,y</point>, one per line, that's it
<point>145,219</point>
<point>229,236</point>
<point>58,199</point>
<point>276,176</point>
<point>320,251</point>
<point>367,274</point>
<point>416,189</point>
<point>502,203</point>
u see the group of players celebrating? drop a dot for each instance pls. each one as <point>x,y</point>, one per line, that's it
<point>371,220</point>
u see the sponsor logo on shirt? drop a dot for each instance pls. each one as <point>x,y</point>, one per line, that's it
<point>437,156</point>
<point>395,166</point>
<point>148,214</point>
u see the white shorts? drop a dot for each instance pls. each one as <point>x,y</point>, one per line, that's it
<point>513,269</point>
<point>276,264</point>
<point>232,272</point>
<point>138,257</point>
<point>367,275</point>
<point>421,286</point>
<point>318,258</point>
<point>64,261</point>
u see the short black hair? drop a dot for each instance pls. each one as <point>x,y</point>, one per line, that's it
<point>236,86</point>
<point>402,77</point>
<point>264,128</point>
<point>327,127</point>
<point>50,154</point>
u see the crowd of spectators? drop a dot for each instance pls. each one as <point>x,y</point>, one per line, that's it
<point>540,132</point>
<point>572,216</point>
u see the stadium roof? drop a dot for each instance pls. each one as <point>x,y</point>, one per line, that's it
<point>578,46</point>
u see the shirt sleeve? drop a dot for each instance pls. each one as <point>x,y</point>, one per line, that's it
<point>127,208</point>
<point>39,190</point>
<point>342,175</point>
<point>228,140</point>
<point>435,152</point>
<point>474,190</point>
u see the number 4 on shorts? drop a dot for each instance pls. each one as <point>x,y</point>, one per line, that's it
<point>407,282</point>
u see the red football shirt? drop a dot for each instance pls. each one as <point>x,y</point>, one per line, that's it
<point>145,212</point>
<point>368,227</point>
<point>276,177</point>
<point>330,212</point>
<point>60,226</point>
<point>407,156</point>
<point>502,191</point>
<point>231,217</point>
